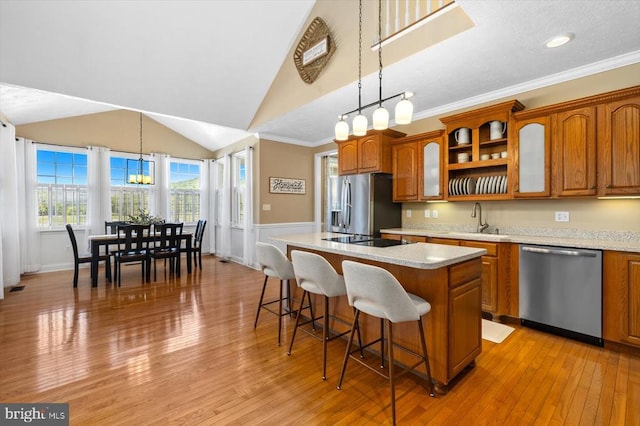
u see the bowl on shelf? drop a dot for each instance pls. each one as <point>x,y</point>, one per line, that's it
<point>503,154</point>
<point>463,157</point>
<point>484,157</point>
<point>495,155</point>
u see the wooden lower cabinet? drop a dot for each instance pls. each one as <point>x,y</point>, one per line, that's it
<point>621,298</point>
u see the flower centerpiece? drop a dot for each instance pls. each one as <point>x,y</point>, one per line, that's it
<point>144,218</point>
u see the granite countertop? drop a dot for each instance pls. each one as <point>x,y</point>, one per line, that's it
<point>414,255</point>
<point>620,241</point>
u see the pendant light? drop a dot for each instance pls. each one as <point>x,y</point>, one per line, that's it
<point>403,110</point>
<point>380,115</point>
<point>360,121</point>
<point>136,169</point>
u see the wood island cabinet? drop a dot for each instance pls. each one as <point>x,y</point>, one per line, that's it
<point>367,154</point>
<point>621,298</point>
<point>417,166</point>
<point>499,291</point>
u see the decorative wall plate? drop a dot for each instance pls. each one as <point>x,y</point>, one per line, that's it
<point>314,50</point>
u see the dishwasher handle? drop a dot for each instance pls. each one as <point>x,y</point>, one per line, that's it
<point>562,252</point>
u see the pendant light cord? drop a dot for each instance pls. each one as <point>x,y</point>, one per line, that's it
<point>140,165</point>
<point>360,60</point>
<point>380,50</point>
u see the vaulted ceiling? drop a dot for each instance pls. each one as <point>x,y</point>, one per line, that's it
<point>205,68</point>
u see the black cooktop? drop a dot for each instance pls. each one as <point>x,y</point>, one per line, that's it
<point>365,240</point>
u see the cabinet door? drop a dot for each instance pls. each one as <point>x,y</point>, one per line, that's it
<point>619,147</point>
<point>575,152</point>
<point>431,170</point>
<point>405,171</point>
<point>348,157</point>
<point>369,154</point>
<point>489,284</point>
<point>531,158</point>
<point>621,297</point>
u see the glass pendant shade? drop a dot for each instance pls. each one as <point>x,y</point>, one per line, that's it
<point>342,130</point>
<point>380,118</point>
<point>360,125</point>
<point>404,112</point>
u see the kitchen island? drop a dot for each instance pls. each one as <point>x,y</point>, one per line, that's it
<point>448,277</point>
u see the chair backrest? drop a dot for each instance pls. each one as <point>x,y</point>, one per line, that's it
<point>374,287</point>
<point>273,262</point>
<point>112,227</point>
<point>74,243</point>
<point>166,235</point>
<point>315,272</point>
<point>197,239</point>
<point>133,237</point>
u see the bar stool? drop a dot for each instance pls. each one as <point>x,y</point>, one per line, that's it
<point>315,275</point>
<point>274,264</point>
<point>376,292</point>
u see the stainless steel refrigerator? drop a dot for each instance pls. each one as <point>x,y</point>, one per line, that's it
<point>362,204</point>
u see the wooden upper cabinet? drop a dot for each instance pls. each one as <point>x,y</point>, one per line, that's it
<point>531,157</point>
<point>348,157</point>
<point>417,166</point>
<point>575,152</point>
<point>367,154</point>
<point>619,147</point>
<point>404,166</point>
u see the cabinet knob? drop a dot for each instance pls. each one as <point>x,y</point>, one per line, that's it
<point>517,189</point>
<point>607,186</point>
<point>592,187</point>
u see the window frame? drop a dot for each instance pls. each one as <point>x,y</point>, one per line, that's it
<point>184,193</point>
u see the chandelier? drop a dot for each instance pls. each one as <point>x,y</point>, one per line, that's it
<point>140,171</point>
<point>403,110</point>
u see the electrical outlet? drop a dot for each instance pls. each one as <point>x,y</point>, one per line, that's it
<point>434,214</point>
<point>408,213</point>
<point>266,207</point>
<point>562,216</point>
<point>427,213</point>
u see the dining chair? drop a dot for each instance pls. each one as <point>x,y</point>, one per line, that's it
<point>196,247</point>
<point>111,227</point>
<point>133,247</point>
<point>166,245</point>
<point>85,258</point>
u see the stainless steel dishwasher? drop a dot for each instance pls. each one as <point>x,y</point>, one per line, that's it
<point>561,291</point>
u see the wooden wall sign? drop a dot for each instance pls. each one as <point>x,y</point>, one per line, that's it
<point>287,186</point>
<point>314,50</point>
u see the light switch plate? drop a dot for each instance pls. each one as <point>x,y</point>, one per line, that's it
<point>427,213</point>
<point>266,207</point>
<point>408,213</point>
<point>434,214</point>
<point>562,216</point>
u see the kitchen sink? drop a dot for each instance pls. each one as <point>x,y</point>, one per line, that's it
<point>478,236</point>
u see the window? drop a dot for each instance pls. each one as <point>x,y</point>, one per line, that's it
<point>61,186</point>
<point>126,199</point>
<point>238,189</point>
<point>184,189</point>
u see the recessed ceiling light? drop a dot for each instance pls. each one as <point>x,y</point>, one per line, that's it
<point>559,40</point>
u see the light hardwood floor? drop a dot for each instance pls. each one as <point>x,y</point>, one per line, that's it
<point>185,352</point>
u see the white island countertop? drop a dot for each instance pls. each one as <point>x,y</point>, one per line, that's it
<point>413,255</point>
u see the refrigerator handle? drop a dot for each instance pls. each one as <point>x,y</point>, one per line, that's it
<point>346,204</point>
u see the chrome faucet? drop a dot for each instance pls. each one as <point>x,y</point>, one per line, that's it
<point>481,226</point>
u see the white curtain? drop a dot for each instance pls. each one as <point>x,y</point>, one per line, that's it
<point>249,238</point>
<point>9,200</point>
<point>205,212</point>
<point>159,198</point>
<point>98,190</point>
<point>225,211</point>
<point>27,205</point>
<point>213,220</point>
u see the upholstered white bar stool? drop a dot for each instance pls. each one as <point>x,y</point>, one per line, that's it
<point>315,275</point>
<point>376,292</point>
<point>274,264</point>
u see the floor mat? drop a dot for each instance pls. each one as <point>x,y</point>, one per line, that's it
<point>494,331</point>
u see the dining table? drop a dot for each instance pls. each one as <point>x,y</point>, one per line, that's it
<point>98,240</point>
